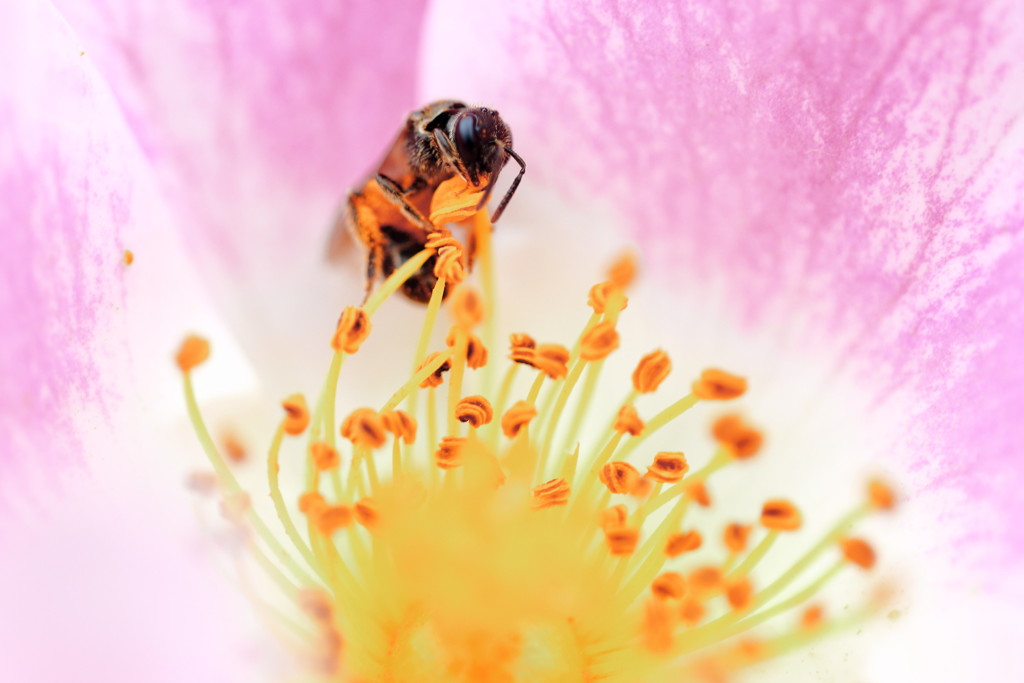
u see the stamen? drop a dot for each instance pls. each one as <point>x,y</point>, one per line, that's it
<point>401,424</point>
<point>668,468</point>
<point>736,536</point>
<point>517,417</point>
<point>449,452</point>
<point>628,421</point>
<point>595,581</point>
<point>352,330</point>
<point>651,371</point>
<point>325,456</point>
<point>679,543</point>
<point>193,351</point>
<point>601,293</point>
<point>332,518</point>
<point>621,540</point>
<point>551,493</point>
<point>365,428</point>
<point>780,515</point>
<point>599,341</point>
<point>475,410</point>
<point>467,306</point>
<point>623,271</point>
<point>740,440</point>
<point>858,552</point>
<point>619,477</point>
<point>297,414</point>
<point>670,585</point>
<point>881,495</point>
<point>718,385</point>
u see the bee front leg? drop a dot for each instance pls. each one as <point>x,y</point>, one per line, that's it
<point>396,195</point>
<point>363,223</point>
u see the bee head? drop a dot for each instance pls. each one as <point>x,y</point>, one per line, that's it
<point>480,138</point>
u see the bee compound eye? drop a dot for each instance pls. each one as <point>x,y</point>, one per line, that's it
<point>468,141</point>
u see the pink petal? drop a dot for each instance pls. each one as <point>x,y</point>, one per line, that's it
<point>102,576</point>
<point>259,115</point>
<point>849,173</point>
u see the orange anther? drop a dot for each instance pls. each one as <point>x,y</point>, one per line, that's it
<point>623,270</point>
<point>691,611</point>
<point>332,518</point>
<point>517,417</point>
<point>780,515</point>
<point>401,424</point>
<point>476,352</point>
<point>669,585</point>
<point>858,551</point>
<point>435,378</point>
<point>311,504</point>
<point>736,536</point>
<point>740,593</point>
<point>552,360</point>
<point>365,428</point>
<point>352,330</point>
<point>467,307</point>
<point>551,493</point>
<point>449,452</point>
<point>450,265</point>
<point>880,495</point>
<point>740,439</point>
<point>296,414</point>
<point>718,385</point>
<point>705,580</point>
<point>651,371</point>
<point>599,341</point>
<point>324,456</point>
<point>476,410</point>
<point>129,257</point>
<point>698,493</point>
<point>601,292</point>
<point>193,351</point>
<point>751,649</point>
<point>233,446</point>
<point>366,512</point>
<point>520,340</point>
<point>619,477</point>
<point>812,617</point>
<point>621,540</point>
<point>642,487</point>
<point>679,543</point>
<point>658,627</point>
<point>668,468</point>
<point>628,421</point>
<point>613,517</point>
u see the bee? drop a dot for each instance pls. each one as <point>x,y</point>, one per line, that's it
<point>388,213</point>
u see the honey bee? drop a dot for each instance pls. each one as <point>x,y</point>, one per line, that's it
<point>388,213</point>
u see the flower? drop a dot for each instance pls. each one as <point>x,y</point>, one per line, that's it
<point>835,188</point>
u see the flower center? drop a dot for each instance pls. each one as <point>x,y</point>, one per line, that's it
<point>450,535</point>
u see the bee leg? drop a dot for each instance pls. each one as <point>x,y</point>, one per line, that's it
<point>396,196</point>
<point>363,223</point>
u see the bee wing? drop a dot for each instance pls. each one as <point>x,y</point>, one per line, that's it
<point>342,241</point>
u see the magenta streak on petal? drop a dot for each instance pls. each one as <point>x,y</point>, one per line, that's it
<point>853,169</point>
<point>60,222</point>
<point>254,110</point>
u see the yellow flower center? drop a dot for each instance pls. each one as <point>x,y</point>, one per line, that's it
<point>458,534</point>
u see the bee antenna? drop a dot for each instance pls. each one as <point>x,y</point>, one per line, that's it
<point>515,183</point>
